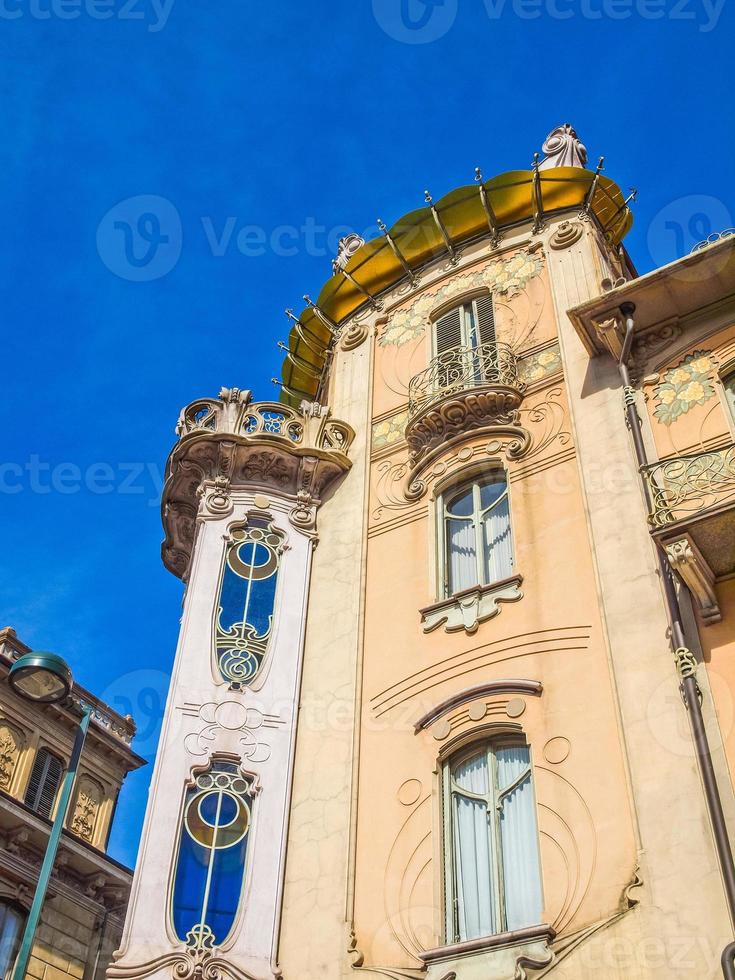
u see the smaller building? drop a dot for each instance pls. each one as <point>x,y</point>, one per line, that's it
<point>85,904</point>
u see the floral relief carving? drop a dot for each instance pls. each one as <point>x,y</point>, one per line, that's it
<point>503,277</point>
<point>11,742</point>
<point>541,365</point>
<point>87,808</point>
<point>389,431</point>
<point>684,386</point>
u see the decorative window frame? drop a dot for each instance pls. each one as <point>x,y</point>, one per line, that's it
<point>246,885</point>
<point>465,610</point>
<point>726,372</point>
<point>242,523</point>
<point>516,943</point>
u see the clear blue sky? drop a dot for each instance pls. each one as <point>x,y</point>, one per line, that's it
<point>313,116</point>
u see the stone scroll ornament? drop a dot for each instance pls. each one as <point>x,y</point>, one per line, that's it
<point>246,602</point>
<point>563,148</point>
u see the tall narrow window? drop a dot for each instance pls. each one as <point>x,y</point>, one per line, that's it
<point>247,601</point>
<point>44,782</point>
<point>12,923</point>
<point>464,344</point>
<point>493,877</point>
<point>477,534</point>
<point>210,865</point>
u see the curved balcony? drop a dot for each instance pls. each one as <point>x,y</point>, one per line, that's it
<point>230,442</point>
<point>462,389</point>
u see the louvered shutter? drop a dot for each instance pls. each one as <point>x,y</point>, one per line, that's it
<point>448,331</point>
<point>485,319</point>
<point>44,783</point>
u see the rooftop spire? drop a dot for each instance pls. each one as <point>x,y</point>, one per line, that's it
<point>563,148</point>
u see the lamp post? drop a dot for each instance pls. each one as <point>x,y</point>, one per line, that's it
<point>44,678</point>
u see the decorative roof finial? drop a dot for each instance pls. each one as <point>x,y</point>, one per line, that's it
<point>563,148</point>
<point>346,248</point>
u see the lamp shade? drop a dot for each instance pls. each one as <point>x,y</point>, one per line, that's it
<point>41,677</point>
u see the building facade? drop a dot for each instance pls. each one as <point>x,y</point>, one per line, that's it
<point>450,625</point>
<point>82,917</point>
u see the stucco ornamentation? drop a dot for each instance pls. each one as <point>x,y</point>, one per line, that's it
<point>87,808</point>
<point>466,610</point>
<point>505,277</point>
<point>11,743</point>
<point>353,336</point>
<point>389,431</point>
<point>216,499</point>
<point>232,718</point>
<point>686,558</point>
<point>566,235</point>
<point>684,386</point>
<point>541,365</point>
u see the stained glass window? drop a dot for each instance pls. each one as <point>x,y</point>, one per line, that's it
<point>210,866</point>
<point>246,602</point>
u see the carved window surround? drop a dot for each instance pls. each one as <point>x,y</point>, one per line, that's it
<point>686,559</point>
<point>467,609</point>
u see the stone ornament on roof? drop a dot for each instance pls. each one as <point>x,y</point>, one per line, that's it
<point>346,248</point>
<point>563,148</point>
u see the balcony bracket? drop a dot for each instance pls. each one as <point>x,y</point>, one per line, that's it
<point>688,561</point>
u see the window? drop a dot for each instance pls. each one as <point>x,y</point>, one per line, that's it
<point>210,865</point>
<point>246,601</point>
<point>464,345</point>
<point>469,325</point>
<point>478,545</point>
<point>12,923</point>
<point>492,873</point>
<point>44,782</point>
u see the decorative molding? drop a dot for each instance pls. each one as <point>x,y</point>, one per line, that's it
<point>563,148</point>
<point>216,499</point>
<point>354,336</point>
<point>652,343</point>
<point>12,740</point>
<point>491,688</point>
<point>89,797</point>
<point>233,717</point>
<point>567,234</point>
<point>609,330</point>
<point>185,964</point>
<point>686,559</point>
<point>461,413</point>
<point>467,609</point>
<point>346,248</point>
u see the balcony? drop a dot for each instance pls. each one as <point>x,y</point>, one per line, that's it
<point>692,516</point>
<point>462,389</point>
<point>228,443</point>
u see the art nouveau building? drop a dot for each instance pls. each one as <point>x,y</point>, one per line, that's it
<point>81,920</point>
<point>453,696</point>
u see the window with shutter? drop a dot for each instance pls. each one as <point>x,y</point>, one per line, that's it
<point>448,330</point>
<point>484,319</point>
<point>44,782</point>
<point>12,923</point>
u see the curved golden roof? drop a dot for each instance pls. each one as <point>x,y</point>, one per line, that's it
<point>511,198</point>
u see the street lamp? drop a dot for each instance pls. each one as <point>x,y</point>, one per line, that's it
<point>44,678</point>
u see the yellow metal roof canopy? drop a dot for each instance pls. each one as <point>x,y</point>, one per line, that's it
<point>512,198</point>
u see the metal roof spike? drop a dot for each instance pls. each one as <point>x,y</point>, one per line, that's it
<point>427,197</point>
<point>478,175</point>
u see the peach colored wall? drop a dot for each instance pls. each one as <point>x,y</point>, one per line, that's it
<point>718,647</point>
<point>685,396</point>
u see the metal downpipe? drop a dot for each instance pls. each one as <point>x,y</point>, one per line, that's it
<point>689,687</point>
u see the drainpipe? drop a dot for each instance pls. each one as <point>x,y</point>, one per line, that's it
<point>685,661</point>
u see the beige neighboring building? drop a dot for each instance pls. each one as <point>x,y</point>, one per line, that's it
<point>453,695</point>
<point>85,904</point>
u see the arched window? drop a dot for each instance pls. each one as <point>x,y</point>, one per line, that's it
<point>492,874</point>
<point>246,601</point>
<point>465,353</point>
<point>44,782</point>
<point>478,544</point>
<point>728,383</point>
<point>12,923</point>
<point>210,865</point>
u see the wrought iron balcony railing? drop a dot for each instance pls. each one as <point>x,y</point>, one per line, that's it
<point>685,487</point>
<point>463,369</point>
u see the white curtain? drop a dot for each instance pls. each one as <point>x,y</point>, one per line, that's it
<point>498,542</point>
<point>474,883</point>
<point>462,555</point>
<point>523,900</point>
<point>11,929</point>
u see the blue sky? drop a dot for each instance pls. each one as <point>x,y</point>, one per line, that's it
<point>249,135</point>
